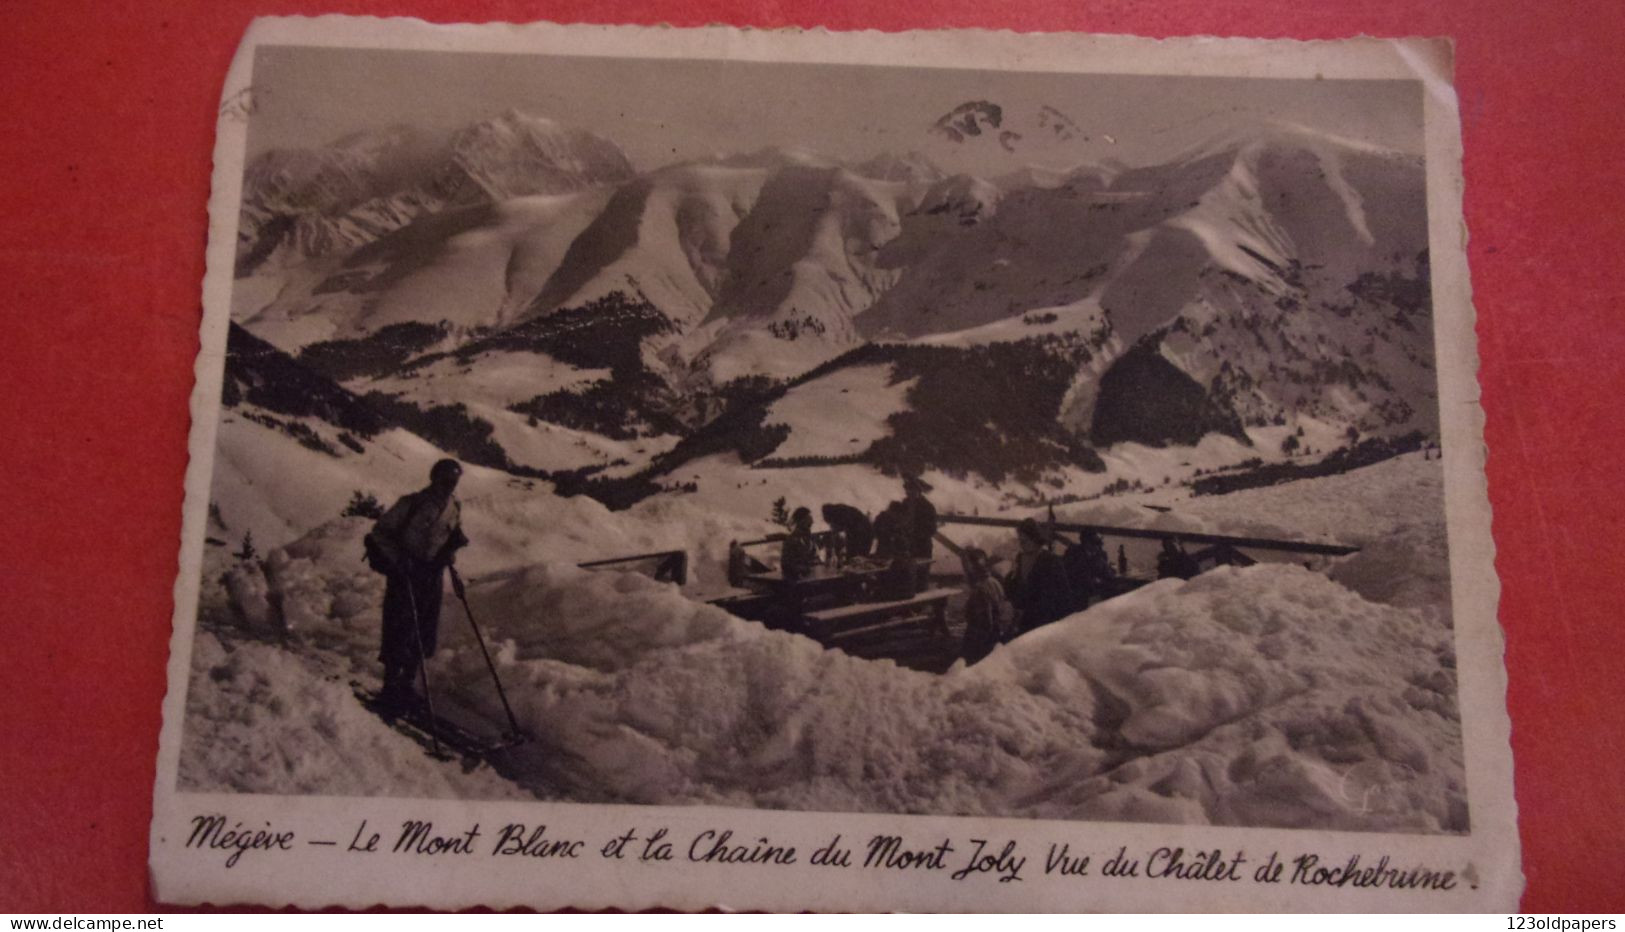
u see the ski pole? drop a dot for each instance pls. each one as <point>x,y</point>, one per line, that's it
<point>423,661</point>
<point>462,596</point>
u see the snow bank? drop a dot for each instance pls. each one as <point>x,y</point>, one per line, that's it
<point>261,719</point>
<point>1393,511</point>
<point>1265,696</point>
<point>266,484</point>
<point>1261,696</point>
<point>660,700</point>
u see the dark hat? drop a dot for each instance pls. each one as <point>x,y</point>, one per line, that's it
<point>799,515</point>
<point>447,468</point>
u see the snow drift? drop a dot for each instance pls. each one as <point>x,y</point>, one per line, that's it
<point>1265,696</point>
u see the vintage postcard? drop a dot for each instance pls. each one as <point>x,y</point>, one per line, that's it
<point>781,470</point>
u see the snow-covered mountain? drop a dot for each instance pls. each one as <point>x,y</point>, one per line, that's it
<point>470,268</point>
<point>1311,249</point>
<point>304,203</point>
<point>802,266</point>
<point>1141,239</point>
<point>517,154</point>
<point>1259,286</point>
<point>666,236</point>
<point>762,260</point>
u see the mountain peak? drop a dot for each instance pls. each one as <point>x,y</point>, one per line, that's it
<point>516,153</point>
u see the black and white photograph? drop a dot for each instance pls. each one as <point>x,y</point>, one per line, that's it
<point>829,437</point>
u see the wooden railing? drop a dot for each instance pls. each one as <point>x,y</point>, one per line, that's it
<point>1191,537</point>
<point>669,565</point>
<point>819,537</point>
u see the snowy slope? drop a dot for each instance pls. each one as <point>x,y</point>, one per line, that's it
<point>948,205</point>
<point>278,477</point>
<point>1141,239</point>
<point>473,268</point>
<point>1283,272</point>
<point>277,489</point>
<point>1082,317</point>
<point>1264,696</point>
<point>1362,358</point>
<point>666,237</point>
<point>841,413</point>
<point>293,447</point>
<point>515,154</point>
<point>1041,134</point>
<point>763,259</point>
<point>802,267</point>
<point>776,250</point>
<point>490,389</point>
<point>1390,510</point>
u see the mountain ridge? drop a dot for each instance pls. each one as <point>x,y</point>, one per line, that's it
<point>1271,280</point>
<point>307,203</point>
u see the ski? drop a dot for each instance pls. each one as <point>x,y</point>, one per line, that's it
<point>417,724</point>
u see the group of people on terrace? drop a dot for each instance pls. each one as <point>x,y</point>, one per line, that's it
<point>1050,576</point>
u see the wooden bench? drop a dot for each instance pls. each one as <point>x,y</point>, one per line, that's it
<point>870,617</point>
<point>744,603</point>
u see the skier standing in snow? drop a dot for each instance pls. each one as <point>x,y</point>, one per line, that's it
<point>412,544</point>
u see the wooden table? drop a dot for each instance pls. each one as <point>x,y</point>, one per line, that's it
<point>820,582</point>
<point>829,599</point>
<point>869,617</point>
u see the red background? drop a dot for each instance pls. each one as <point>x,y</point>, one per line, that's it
<point>109,111</point>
